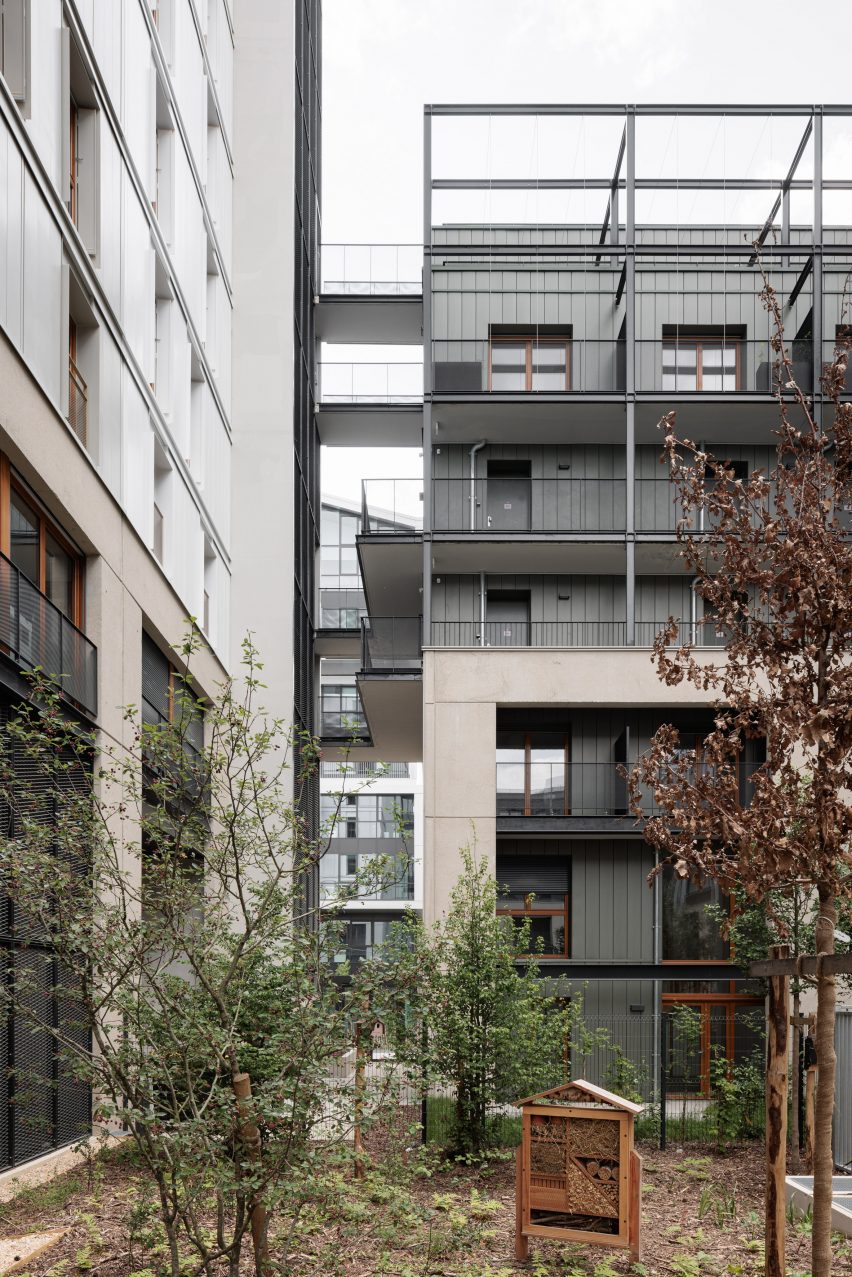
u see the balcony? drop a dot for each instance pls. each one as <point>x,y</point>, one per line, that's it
<point>390,685</point>
<point>594,366</point>
<point>338,632</point>
<point>564,633</point>
<point>35,634</point>
<point>579,793</point>
<point>371,293</point>
<point>372,270</point>
<point>336,880</point>
<point>369,383</point>
<point>391,645</point>
<point>370,404</point>
<point>78,402</point>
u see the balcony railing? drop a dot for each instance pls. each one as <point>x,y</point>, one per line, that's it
<point>580,789</point>
<point>600,366</point>
<point>363,771</point>
<point>78,402</point>
<point>37,635</point>
<point>565,633</point>
<point>391,645</point>
<point>391,505</point>
<point>397,879</point>
<point>517,504</point>
<point>372,270</point>
<point>369,383</point>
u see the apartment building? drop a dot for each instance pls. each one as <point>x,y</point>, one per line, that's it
<point>585,270</point>
<point>155,325</point>
<point>368,808</point>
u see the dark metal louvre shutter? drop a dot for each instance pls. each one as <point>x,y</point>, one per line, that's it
<point>33,1057</point>
<point>155,682</point>
<point>522,874</point>
<point>73,1097</point>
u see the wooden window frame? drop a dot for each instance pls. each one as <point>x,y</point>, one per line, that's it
<point>705,1002</point>
<point>566,788</point>
<point>73,147</point>
<point>545,911</point>
<point>699,343</point>
<point>10,483</point>
<point>529,340</point>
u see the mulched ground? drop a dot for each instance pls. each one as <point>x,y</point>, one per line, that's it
<point>414,1217</point>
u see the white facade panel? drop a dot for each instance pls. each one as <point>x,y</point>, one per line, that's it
<point>216,465</point>
<point>137,285</point>
<point>189,80</point>
<point>110,417</point>
<point>137,110</point>
<point>109,248</point>
<point>137,445</point>
<point>45,118</point>
<point>11,239</point>
<point>107,23</point>
<point>190,249</point>
<point>43,326</point>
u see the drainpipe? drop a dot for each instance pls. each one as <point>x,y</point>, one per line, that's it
<point>476,447</point>
<point>693,613</point>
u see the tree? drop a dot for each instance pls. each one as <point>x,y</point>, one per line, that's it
<point>774,569</point>
<point>168,882</point>
<point>493,1033</point>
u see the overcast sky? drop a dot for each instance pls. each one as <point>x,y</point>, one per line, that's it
<point>383,59</point>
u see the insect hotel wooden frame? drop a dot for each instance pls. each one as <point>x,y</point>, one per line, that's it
<point>578,1176</point>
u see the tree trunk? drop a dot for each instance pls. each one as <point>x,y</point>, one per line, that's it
<point>826,1064</point>
<point>360,1084</point>
<point>777,1038</point>
<point>250,1139</point>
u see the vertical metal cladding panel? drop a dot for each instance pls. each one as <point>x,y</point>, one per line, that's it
<point>843,1090</point>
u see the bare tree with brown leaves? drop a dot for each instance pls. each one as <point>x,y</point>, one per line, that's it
<point>772,559</point>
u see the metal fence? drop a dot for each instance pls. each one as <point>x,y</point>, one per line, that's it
<point>699,1076</point>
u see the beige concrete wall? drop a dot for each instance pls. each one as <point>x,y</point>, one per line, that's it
<point>262,541</point>
<point>461,691</point>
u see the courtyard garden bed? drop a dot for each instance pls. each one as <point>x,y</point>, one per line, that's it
<point>414,1215</point>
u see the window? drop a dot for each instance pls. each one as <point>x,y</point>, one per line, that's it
<point>690,932</point>
<point>535,890</point>
<point>531,772</point>
<point>161,694</point>
<point>41,551</point>
<point>338,555</point>
<point>707,363</point>
<point>14,50</point>
<point>340,711</point>
<point>525,363</point>
<point>81,146</point>
<point>703,1026</point>
<point>78,391</point>
<point>162,488</point>
<point>369,815</point>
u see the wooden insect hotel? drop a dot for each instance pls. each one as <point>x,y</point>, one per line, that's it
<point>579,1177</point>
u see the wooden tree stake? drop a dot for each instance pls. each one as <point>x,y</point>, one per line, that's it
<point>778,1027</point>
<point>250,1138</point>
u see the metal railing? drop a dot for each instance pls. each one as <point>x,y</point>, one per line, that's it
<point>600,366</point>
<point>391,644</point>
<point>372,270</point>
<point>379,383</point>
<point>529,634</point>
<point>580,789</point>
<point>391,505</point>
<point>700,633</point>
<point>364,771</point>
<point>506,503</point>
<point>37,635</point>
<point>78,402</point>
<point>397,879</point>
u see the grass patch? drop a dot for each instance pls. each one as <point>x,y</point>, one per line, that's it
<point>38,1199</point>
